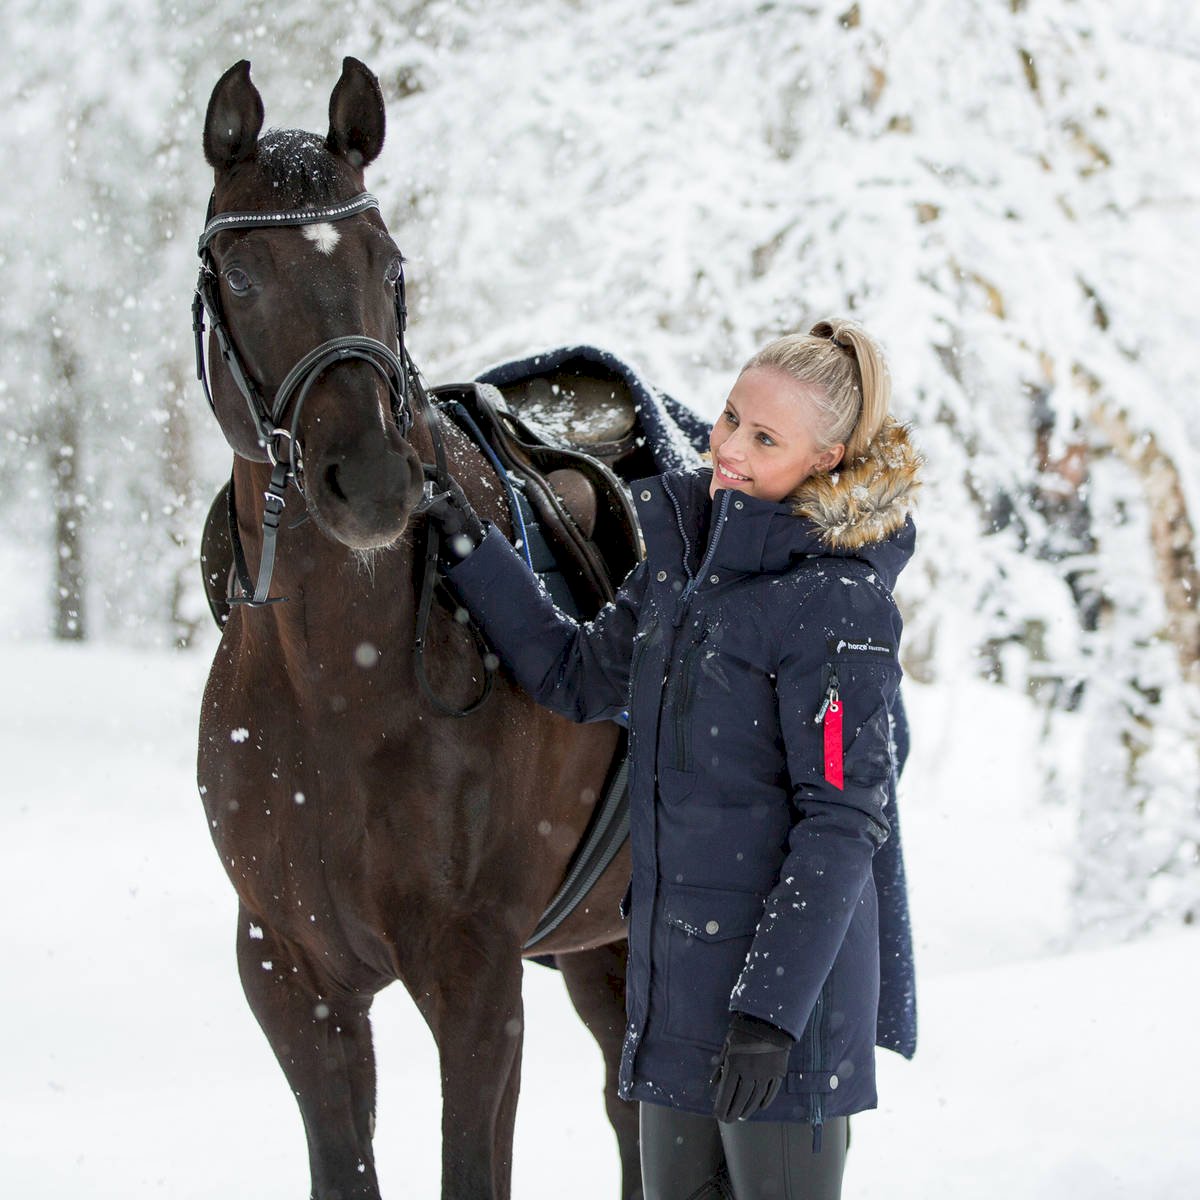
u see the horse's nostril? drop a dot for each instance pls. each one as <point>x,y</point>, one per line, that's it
<point>331,481</point>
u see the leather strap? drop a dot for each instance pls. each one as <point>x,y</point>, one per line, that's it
<point>297,216</point>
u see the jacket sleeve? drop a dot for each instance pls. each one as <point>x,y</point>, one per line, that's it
<point>835,831</point>
<point>578,669</point>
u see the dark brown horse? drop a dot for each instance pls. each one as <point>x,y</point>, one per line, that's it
<point>369,836</point>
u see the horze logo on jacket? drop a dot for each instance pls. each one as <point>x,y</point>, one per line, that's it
<point>875,649</point>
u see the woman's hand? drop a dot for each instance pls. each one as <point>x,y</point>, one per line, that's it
<point>451,512</point>
<point>753,1063</point>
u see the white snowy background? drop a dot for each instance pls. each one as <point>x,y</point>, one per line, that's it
<point>1005,192</point>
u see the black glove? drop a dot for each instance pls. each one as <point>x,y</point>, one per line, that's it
<point>753,1062</point>
<point>451,511</point>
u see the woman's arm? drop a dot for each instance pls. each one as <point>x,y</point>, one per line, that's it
<point>836,830</point>
<point>580,670</point>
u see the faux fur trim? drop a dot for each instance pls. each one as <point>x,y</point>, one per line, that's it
<point>867,500</point>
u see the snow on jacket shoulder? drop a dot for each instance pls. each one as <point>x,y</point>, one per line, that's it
<point>754,866</point>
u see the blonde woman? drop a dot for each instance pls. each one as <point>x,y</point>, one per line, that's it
<point>756,651</point>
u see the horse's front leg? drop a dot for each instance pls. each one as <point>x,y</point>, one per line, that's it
<point>595,982</point>
<point>475,1011</point>
<point>323,1043</point>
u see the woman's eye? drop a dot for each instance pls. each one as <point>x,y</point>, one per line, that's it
<point>238,281</point>
<point>766,439</point>
<point>393,270</point>
<point>728,415</point>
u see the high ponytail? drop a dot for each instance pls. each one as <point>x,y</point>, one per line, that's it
<point>855,385</point>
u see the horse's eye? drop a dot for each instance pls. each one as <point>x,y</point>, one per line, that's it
<point>238,280</point>
<point>393,270</point>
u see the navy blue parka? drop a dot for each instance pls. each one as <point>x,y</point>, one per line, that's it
<point>753,886</point>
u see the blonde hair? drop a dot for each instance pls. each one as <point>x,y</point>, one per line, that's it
<point>855,387</point>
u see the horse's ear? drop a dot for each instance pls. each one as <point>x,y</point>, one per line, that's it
<point>356,118</point>
<point>234,119</point>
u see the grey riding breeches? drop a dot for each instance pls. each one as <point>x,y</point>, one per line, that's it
<point>688,1157</point>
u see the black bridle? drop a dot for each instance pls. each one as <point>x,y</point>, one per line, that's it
<point>397,370</point>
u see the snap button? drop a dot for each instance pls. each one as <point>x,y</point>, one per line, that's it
<point>646,494</point>
<point>714,579</point>
<point>662,575</point>
<point>712,927</point>
<point>833,1082</point>
<point>738,504</point>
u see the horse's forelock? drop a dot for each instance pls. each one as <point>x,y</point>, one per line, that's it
<point>300,170</point>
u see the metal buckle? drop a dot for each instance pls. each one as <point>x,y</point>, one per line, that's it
<point>269,446</point>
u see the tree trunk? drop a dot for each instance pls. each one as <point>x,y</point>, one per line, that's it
<point>187,609</point>
<point>1171,531</point>
<point>63,440</point>
<point>70,617</point>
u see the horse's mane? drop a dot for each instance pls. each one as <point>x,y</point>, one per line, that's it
<point>299,168</point>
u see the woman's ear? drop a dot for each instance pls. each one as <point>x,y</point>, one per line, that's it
<point>828,459</point>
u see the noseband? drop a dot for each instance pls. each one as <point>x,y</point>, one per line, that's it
<point>398,371</point>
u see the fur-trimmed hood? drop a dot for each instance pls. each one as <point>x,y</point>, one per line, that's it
<point>867,500</point>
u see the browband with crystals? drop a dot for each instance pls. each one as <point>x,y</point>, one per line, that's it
<point>265,220</point>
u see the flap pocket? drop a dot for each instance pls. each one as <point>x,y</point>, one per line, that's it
<point>712,914</point>
<point>674,785</point>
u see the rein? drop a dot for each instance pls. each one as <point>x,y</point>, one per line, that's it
<point>398,371</point>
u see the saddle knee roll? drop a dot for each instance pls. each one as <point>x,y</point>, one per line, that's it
<point>578,496</point>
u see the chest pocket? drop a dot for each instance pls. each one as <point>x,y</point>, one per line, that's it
<point>645,641</point>
<point>723,714</point>
<point>679,703</point>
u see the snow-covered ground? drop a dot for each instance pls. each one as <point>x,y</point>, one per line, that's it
<point>131,1066</point>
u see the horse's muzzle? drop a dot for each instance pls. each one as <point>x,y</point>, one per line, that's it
<point>363,494</point>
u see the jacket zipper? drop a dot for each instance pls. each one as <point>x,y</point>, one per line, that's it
<point>818,1103</point>
<point>717,529</point>
<point>687,545</point>
<point>680,707</point>
<point>693,580</point>
<point>639,650</point>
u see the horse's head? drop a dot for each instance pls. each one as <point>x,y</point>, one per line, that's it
<point>310,307</point>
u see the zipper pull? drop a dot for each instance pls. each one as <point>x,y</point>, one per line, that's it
<point>831,694</point>
<point>830,713</point>
<point>681,607</point>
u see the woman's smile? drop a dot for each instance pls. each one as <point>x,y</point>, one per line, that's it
<point>728,477</point>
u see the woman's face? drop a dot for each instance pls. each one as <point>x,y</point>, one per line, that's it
<point>764,443</point>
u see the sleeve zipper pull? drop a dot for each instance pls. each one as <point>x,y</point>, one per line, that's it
<point>831,696</point>
<point>830,713</point>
